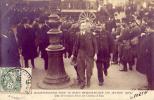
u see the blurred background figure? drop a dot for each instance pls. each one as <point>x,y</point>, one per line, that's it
<point>105,47</point>
<point>43,40</point>
<point>26,37</point>
<point>9,48</point>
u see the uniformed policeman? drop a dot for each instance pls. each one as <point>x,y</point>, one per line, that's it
<point>105,45</point>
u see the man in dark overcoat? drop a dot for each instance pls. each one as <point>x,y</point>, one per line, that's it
<point>73,31</point>
<point>66,37</point>
<point>145,61</point>
<point>105,46</point>
<point>9,48</point>
<point>150,69</point>
<point>26,37</point>
<point>43,41</point>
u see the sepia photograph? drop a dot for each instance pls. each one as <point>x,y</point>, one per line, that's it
<point>77,44</point>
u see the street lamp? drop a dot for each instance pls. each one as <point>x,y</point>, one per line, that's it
<point>56,76</point>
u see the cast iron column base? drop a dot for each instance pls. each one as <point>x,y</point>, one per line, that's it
<point>56,77</point>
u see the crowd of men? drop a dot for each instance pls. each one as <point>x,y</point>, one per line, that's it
<point>120,42</point>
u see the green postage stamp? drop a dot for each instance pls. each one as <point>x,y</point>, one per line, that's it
<point>15,80</point>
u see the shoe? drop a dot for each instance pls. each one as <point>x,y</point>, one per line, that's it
<point>130,68</point>
<point>100,83</point>
<point>78,82</point>
<point>106,73</point>
<point>124,70</point>
<point>115,62</point>
<point>46,68</point>
<point>149,87</point>
<point>88,84</point>
<point>82,86</point>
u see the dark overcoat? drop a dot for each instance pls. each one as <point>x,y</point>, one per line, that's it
<point>26,37</point>
<point>43,40</point>
<point>143,55</point>
<point>105,44</point>
<point>9,51</point>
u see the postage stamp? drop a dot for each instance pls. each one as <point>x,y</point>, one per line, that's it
<point>15,80</point>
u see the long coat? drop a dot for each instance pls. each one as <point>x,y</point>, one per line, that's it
<point>71,39</point>
<point>43,40</point>
<point>9,51</point>
<point>151,58</point>
<point>105,45</point>
<point>26,37</point>
<point>145,61</point>
<point>66,37</point>
<point>142,55</point>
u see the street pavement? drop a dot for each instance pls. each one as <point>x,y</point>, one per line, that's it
<point>116,80</point>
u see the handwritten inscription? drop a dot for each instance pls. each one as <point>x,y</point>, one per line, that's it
<point>139,94</point>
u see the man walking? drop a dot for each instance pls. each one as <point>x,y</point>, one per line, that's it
<point>105,45</point>
<point>86,48</point>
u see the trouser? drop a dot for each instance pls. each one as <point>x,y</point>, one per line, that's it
<point>101,66</point>
<point>84,66</point>
<point>130,63</point>
<point>134,51</point>
<point>115,54</point>
<point>127,58</point>
<point>77,73</point>
<point>45,63</point>
<point>150,77</point>
<point>32,62</point>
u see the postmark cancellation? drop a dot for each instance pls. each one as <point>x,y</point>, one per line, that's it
<point>15,80</point>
